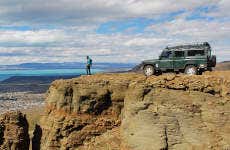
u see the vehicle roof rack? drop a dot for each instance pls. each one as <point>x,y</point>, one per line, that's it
<point>203,45</point>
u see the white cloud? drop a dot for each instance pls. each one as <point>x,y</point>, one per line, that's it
<point>73,23</point>
<point>88,11</point>
<point>194,29</point>
<point>31,37</point>
<point>66,45</point>
<point>222,9</point>
<point>140,41</point>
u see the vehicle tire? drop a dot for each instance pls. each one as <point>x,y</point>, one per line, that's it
<point>191,70</point>
<point>200,72</point>
<point>213,61</point>
<point>149,70</point>
<point>209,69</point>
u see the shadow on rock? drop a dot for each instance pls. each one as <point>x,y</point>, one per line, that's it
<point>36,140</point>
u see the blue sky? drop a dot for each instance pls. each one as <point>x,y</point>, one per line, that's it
<point>138,25</point>
<point>108,30</point>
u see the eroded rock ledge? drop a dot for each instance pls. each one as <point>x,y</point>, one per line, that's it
<point>130,111</point>
<point>164,112</point>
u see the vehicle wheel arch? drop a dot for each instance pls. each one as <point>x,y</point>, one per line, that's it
<point>189,64</point>
<point>149,65</point>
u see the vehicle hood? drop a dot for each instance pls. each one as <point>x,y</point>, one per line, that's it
<point>150,61</point>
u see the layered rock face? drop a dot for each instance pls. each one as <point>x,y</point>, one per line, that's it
<point>130,111</point>
<point>82,108</point>
<point>14,132</point>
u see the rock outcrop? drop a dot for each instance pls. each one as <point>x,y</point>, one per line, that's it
<point>14,132</point>
<point>127,112</point>
<point>130,111</point>
<point>82,108</point>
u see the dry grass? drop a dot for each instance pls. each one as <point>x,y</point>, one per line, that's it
<point>223,74</point>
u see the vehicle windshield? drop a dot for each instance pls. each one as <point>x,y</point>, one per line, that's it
<point>209,52</point>
<point>166,54</point>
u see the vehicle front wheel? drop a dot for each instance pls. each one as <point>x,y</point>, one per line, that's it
<point>149,70</point>
<point>190,70</point>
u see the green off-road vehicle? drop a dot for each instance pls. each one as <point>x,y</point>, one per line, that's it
<point>190,59</point>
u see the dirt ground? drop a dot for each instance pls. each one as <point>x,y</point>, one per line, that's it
<point>223,74</point>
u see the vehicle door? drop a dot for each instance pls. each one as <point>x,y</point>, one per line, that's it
<point>179,59</point>
<point>166,60</point>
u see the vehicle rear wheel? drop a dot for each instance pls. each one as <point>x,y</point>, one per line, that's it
<point>190,70</point>
<point>209,68</point>
<point>149,70</point>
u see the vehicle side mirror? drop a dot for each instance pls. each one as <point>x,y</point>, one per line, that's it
<point>159,57</point>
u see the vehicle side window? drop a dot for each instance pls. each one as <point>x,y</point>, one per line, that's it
<point>179,53</point>
<point>196,53</point>
<point>166,54</point>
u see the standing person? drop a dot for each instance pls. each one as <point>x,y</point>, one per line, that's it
<point>88,65</point>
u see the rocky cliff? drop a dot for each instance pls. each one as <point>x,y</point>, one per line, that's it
<point>14,132</point>
<point>131,111</point>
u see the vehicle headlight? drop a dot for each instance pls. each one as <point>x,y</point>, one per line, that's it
<point>202,65</point>
<point>156,65</point>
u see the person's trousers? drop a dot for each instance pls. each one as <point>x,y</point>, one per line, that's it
<point>88,70</point>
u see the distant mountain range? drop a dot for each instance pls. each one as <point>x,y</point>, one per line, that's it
<point>68,65</point>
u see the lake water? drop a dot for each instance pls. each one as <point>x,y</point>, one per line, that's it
<point>5,74</point>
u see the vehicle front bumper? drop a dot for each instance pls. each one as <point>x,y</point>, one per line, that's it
<point>202,67</point>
